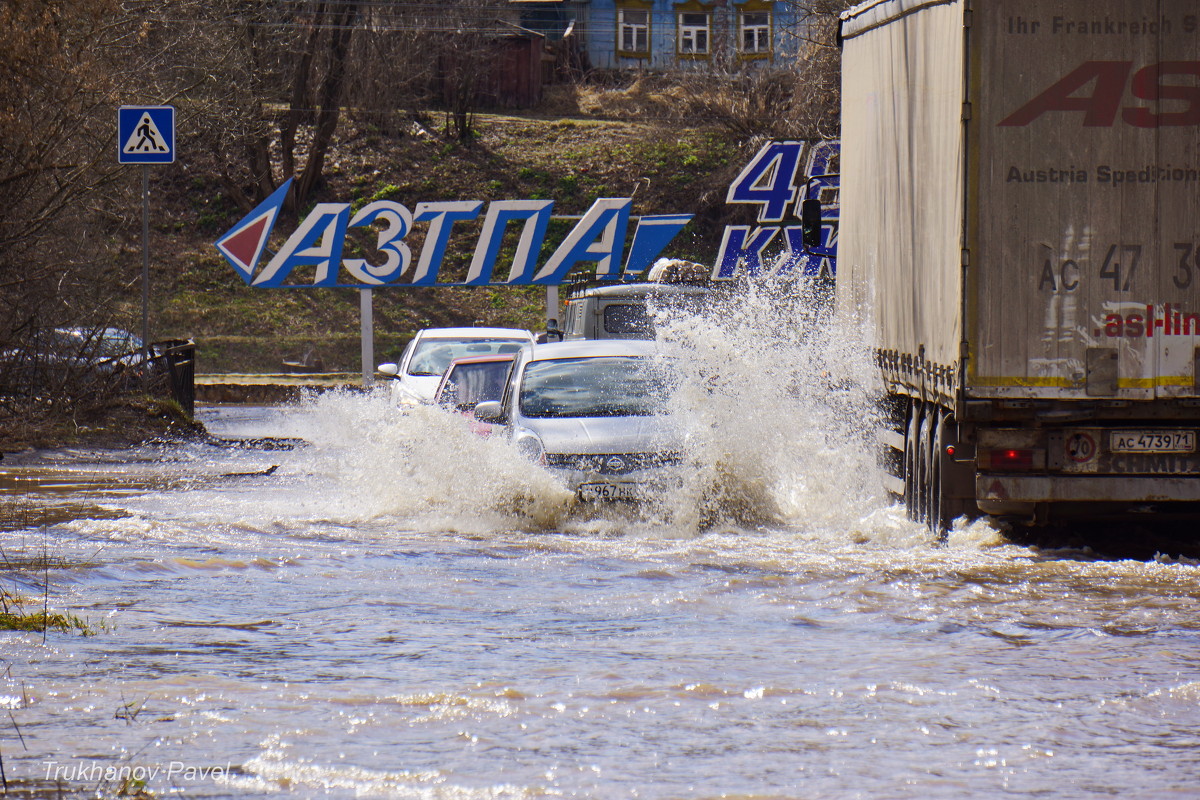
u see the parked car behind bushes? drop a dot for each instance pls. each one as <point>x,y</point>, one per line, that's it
<point>57,361</point>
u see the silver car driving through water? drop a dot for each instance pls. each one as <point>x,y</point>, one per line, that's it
<point>593,412</point>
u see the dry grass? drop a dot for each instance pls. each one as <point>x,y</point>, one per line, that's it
<point>23,612</point>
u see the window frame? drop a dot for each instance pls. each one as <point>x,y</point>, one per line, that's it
<point>763,30</point>
<point>624,26</point>
<point>683,29</point>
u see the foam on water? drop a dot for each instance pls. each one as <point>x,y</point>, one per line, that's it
<point>372,458</point>
<point>778,402</point>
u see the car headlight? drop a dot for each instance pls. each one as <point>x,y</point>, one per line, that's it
<point>530,446</point>
<point>405,396</point>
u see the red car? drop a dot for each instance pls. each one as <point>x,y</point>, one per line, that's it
<point>470,381</point>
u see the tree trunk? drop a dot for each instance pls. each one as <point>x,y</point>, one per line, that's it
<point>298,104</point>
<point>329,107</point>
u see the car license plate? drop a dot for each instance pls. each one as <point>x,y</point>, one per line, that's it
<point>1150,441</point>
<point>608,491</point>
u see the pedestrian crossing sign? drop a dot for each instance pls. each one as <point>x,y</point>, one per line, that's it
<point>146,135</point>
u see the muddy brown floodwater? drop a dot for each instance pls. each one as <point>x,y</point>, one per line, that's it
<point>372,621</point>
<point>402,608</point>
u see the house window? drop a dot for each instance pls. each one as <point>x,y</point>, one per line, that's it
<point>634,31</point>
<point>756,32</point>
<point>693,34</point>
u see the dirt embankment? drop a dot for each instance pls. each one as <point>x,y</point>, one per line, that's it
<point>120,421</point>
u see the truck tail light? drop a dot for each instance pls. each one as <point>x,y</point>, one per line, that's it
<point>1011,458</point>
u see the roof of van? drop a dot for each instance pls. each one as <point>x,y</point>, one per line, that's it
<point>638,290</point>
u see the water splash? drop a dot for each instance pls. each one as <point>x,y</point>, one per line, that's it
<point>779,404</point>
<point>776,405</point>
<point>421,462</point>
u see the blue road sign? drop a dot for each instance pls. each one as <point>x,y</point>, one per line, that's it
<point>146,135</point>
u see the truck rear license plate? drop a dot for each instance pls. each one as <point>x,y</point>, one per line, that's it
<point>1147,441</point>
<point>608,491</point>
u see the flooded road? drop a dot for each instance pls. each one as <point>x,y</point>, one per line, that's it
<point>298,633</point>
<point>400,608</point>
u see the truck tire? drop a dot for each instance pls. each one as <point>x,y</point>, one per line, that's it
<point>924,464</point>
<point>910,461</point>
<point>956,481</point>
<point>943,509</point>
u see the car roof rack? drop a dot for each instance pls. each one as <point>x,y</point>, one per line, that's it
<point>667,272</point>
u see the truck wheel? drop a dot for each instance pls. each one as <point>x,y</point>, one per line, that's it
<point>942,507</point>
<point>924,466</point>
<point>956,480</point>
<point>910,461</point>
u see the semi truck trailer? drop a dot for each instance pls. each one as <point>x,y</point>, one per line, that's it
<point>1020,240</point>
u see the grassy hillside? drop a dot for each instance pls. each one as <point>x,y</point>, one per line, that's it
<point>572,161</point>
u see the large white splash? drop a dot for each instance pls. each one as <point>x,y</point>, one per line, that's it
<point>776,404</point>
<point>373,458</point>
<point>779,404</point>
<point>776,408</point>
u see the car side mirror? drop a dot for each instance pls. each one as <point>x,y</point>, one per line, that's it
<point>489,411</point>
<point>390,370</point>
<point>810,222</point>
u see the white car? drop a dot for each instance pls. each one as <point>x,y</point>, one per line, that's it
<point>416,377</point>
<point>594,413</point>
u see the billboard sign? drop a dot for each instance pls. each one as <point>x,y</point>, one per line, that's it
<point>512,235</point>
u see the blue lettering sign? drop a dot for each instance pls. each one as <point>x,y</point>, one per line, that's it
<point>599,237</point>
<point>769,180</point>
<point>741,248</point>
<point>441,218</point>
<point>779,176</point>
<point>536,214</point>
<point>391,242</point>
<point>318,243</point>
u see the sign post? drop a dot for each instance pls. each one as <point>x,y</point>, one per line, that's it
<point>551,305</point>
<point>145,262</point>
<point>146,135</point>
<point>368,337</point>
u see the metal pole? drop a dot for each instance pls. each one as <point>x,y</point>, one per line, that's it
<point>551,303</point>
<point>145,261</point>
<point>368,336</point>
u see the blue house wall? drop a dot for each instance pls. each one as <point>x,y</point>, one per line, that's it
<point>597,22</point>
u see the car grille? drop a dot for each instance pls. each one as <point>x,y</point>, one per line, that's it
<point>612,463</point>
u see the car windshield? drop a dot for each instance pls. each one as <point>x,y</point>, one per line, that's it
<point>468,385</point>
<point>432,356</point>
<point>602,386</point>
